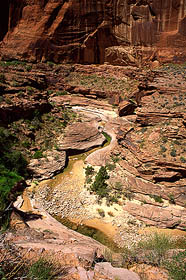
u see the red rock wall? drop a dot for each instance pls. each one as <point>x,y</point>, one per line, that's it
<point>80,31</point>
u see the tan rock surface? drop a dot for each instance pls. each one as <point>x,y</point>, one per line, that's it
<point>80,137</point>
<point>157,216</point>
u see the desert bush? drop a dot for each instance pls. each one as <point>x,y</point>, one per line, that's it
<point>89,170</point>
<point>183,159</point>
<point>12,168</point>
<point>99,186</point>
<point>156,198</point>
<point>156,247</point>
<point>110,166</point>
<point>171,199</point>
<point>41,270</point>
<point>177,266</point>
<point>173,153</point>
<point>38,154</point>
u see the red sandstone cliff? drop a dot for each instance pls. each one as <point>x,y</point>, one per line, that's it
<point>86,31</point>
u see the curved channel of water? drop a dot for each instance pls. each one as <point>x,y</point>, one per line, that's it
<point>74,175</point>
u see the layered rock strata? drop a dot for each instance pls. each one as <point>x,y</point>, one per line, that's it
<point>87,31</point>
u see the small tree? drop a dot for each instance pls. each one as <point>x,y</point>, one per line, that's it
<point>100,186</point>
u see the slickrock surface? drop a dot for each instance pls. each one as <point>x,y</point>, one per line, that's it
<point>43,236</point>
<point>88,31</point>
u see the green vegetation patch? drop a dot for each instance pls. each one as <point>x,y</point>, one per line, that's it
<point>12,169</point>
<point>100,186</point>
<point>100,82</point>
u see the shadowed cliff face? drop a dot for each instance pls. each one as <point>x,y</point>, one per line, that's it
<point>80,31</point>
<point>4,17</point>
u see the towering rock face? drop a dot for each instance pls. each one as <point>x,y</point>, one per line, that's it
<point>85,31</point>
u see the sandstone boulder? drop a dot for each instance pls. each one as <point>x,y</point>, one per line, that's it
<point>48,166</point>
<point>107,270</point>
<point>80,137</point>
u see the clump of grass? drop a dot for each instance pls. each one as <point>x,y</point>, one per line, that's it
<point>110,166</point>
<point>171,199</point>
<point>42,270</point>
<point>156,247</point>
<point>156,198</point>
<point>177,266</point>
<point>38,154</point>
<point>163,149</point>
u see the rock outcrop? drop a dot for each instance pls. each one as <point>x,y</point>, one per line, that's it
<point>158,216</point>
<point>80,256</point>
<point>81,137</point>
<point>93,32</point>
<point>48,166</point>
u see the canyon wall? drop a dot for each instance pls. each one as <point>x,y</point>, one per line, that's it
<point>93,31</point>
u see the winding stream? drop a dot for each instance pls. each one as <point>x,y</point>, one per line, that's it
<point>66,198</point>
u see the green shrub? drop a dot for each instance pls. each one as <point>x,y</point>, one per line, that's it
<point>12,168</point>
<point>7,180</point>
<point>163,149</point>
<point>177,266</point>
<point>89,180</point>
<point>173,153</point>
<point>112,199</point>
<point>118,186</point>
<point>61,93</point>
<point>171,199</point>
<point>1,98</point>
<point>41,270</point>
<point>110,166</point>
<point>156,198</point>
<point>164,139</point>
<point>2,78</point>
<point>156,246</point>
<point>115,159</point>
<point>15,161</point>
<point>89,170</point>
<point>49,92</point>
<point>38,154</point>
<point>183,159</point>
<point>26,144</point>
<point>99,185</point>
<point>28,68</point>
<point>30,90</point>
